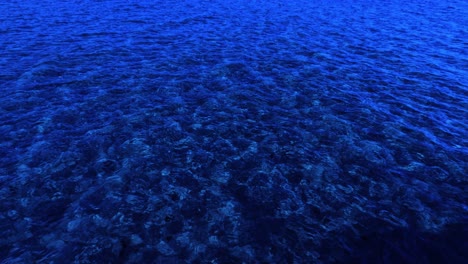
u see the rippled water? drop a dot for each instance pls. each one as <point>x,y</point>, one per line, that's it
<point>233,131</point>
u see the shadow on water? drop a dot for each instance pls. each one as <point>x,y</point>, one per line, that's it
<point>407,245</point>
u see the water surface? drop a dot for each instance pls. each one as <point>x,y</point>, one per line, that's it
<point>233,131</point>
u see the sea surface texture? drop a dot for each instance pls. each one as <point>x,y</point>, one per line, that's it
<point>233,131</point>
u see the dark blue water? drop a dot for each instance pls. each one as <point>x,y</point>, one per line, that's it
<point>233,131</point>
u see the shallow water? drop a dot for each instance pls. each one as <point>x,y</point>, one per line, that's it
<point>233,131</point>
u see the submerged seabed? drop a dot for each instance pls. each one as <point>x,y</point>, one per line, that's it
<point>233,131</point>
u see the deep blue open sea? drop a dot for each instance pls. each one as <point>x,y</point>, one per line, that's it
<point>233,131</point>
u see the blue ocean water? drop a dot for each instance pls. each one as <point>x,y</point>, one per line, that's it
<point>233,131</point>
